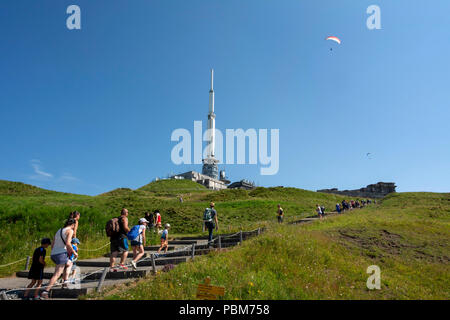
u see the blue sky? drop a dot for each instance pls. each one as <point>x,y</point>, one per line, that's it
<point>90,110</point>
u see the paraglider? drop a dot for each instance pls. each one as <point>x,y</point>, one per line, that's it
<point>333,38</point>
<point>368,155</point>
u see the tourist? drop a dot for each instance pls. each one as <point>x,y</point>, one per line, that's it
<point>138,242</point>
<point>338,208</point>
<point>322,208</point>
<point>36,273</point>
<point>75,242</point>
<point>119,242</point>
<point>164,239</point>
<point>61,249</point>
<point>319,211</point>
<point>150,217</point>
<point>280,214</point>
<point>210,221</point>
<point>76,216</point>
<point>157,220</point>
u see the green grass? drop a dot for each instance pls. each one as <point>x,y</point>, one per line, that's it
<point>407,236</point>
<point>28,213</point>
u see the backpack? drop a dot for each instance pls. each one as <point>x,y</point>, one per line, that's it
<point>207,215</point>
<point>112,227</point>
<point>133,233</point>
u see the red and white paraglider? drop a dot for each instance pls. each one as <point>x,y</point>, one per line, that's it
<point>333,38</point>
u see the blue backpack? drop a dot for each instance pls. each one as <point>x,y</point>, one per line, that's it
<point>134,232</point>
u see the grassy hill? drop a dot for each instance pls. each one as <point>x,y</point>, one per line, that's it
<point>407,236</point>
<point>28,213</point>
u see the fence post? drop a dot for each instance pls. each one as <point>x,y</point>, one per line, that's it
<point>240,235</point>
<point>153,263</point>
<point>27,264</point>
<point>259,231</point>
<point>193,251</point>
<point>100,283</point>
<point>220,243</point>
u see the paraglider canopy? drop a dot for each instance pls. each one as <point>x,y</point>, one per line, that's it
<point>334,39</point>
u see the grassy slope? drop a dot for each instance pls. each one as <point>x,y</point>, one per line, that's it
<point>407,236</point>
<point>29,213</point>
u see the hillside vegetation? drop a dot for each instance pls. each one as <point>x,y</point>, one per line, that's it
<point>28,213</point>
<point>407,236</point>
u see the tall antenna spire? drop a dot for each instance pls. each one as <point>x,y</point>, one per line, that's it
<point>212,79</point>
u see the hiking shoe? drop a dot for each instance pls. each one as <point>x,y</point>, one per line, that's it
<point>123,267</point>
<point>133,264</point>
<point>112,269</point>
<point>44,295</point>
<point>37,298</point>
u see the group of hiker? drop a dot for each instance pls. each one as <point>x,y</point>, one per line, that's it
<point>64,253</point>
<point>343,206</point>
<point>64,247</point>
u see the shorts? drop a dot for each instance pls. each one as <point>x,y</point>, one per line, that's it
<point>36,273</point>
<point>60,258</point>
<point>120,245</point>
<point>136,243</point>
<point>280,219</point>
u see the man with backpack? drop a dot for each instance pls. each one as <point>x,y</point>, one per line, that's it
<point>210,221</point>
<point>117,230</point>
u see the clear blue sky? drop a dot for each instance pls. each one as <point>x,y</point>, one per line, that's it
<point>90,110</point>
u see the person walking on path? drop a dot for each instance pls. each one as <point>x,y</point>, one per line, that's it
<point>75,242</point>
<point>61,250</point>
<point>150,217</point>
<point>75,215</point>
<point>119,242</point>
<point>36,273</point>
<point>319,212</point>
<point>280,214</point>
<point>164,239</point>
<point>210,221</point>
<point>139,241</point>
<point>158,220</point>
<point>338,208</point>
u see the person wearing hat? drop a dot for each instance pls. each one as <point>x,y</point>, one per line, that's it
<point>165,238</point>
<point>138,242</point>
<point>36,273</point>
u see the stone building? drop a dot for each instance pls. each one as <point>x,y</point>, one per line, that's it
<point>378,190</point>
<point>205,180</point>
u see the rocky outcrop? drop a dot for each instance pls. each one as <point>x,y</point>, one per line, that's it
<point>378,190</point>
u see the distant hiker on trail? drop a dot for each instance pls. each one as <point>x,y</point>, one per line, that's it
<point>181,199</point>
<point>319,211</point>
<point>164,239</point>
<point>36,273</point>
<point>61,250</point>
<point>322,208</point>
<point>157,220</point>
<point>117,229</point>
<point>280,214</point>
<point>338,208</point>
<point>209,217</point>
<point>75,215</point>
<point>137,237</point>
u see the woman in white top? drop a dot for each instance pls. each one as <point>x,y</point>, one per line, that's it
<point>139,242</point>
<point>61,250</point>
